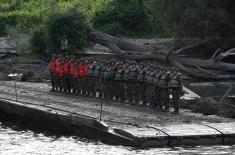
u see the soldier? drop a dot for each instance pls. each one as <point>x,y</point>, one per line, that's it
<point>150,84</point>
<point>126,81</point>
<point>52,71</point>
<point>156,84</point>
<point>91,71</point>
<point>61,76</point>
<point>112,82</point>
<point>85,77</point>
<point>69,85</point>
<point>97,70</point>
<point>141,85</point>
<point>119,81</point>
<point>133,73</point>
<point>106,80</point>
<point>164,90</point>
<point>66,79</point>
<point>57,72</point>
<point>176,86</point>
<point>101,79</point>
<point>82,74</point>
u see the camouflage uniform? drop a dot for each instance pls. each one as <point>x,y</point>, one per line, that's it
<point>141,85</point>
<point>163,89</point>
<point>156,84</point>
<point>176,86</point>
<point>97,71</point>
<point>126,82</point>
<point>133,73</point>
<point>112,82</point>
<point>150,85</point>
<point>101,79</point>
<point>106,81</point>
<point>119,83</point>
<point>91,78</point>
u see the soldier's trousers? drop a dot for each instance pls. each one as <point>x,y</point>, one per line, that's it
<point>176,93</point>
<point>150,93</point>
<point>119,91</point>
<point>58,83</point>
<point>66,82</point>
<point>97,84</point>
<point>106,88</point>
<point>133,91</point>
<point>164,97</point>
<point>141,91</point>
<point>126,89</point>
<point>91,84</point>
<point>52,77</point>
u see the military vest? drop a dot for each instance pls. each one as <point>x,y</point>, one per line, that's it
<point>146,77</point>
<point>150,79</point>
<point>119,74</point>
<point>97,71</point>
<point>163,80</point>
<point>107,72</point>
<point>157,78</point>
<point>126,74</point>
<point>113,72</point>
<point>141,75</point>
<point>91,70</point>
<point>133,74</point>
<point>175,80</point>
<point>102,71</point>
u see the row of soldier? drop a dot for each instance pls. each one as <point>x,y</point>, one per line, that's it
<point>142,83</point>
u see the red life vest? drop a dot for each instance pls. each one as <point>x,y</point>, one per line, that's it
<point>57,66</point>
<point>86,68</point>
<point>71,68</point>
<point>66,67</point>
<point>61,72</point>
<point>81,70</point>
<point>52,66</point>
<point>76,72</point>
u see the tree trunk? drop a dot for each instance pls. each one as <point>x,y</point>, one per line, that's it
<point>202,68</point>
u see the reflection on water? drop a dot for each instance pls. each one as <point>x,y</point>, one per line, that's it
<point>18,140</point>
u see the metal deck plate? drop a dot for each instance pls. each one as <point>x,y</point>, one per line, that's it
<point>144,132</point>
<point>189,130</point>
<point>225,128</point>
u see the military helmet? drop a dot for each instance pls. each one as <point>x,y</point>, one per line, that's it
<point>174,69</point>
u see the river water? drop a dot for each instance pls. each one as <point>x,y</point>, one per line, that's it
<point>22,140</point>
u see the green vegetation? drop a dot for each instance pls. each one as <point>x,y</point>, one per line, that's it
<point>48,20</point>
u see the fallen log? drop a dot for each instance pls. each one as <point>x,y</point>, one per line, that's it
<point>128,50</point>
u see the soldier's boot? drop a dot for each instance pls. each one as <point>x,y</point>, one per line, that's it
<point>176,110</point>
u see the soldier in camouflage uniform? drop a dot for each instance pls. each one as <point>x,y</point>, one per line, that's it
<point>141,85</point>
<point>97,71</point>
<point>119,83</point>
<point>150,84</point>
<point>164,90</point>
<point>133,73</point>
<point>91,78</point>
<point>126,81</point>
<point>106,80</point>
<point>101,79</point>
<point>112,82</point>
<point>156,85</point>
<point>176,86</point>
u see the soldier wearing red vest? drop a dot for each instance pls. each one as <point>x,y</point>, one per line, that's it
<point>82,75</point>
<point>61,83</point>
<point>66,77</point>
<point>71,72</point>
<point>52,71</point>
<point>57,72</point>
<point>85,77</point>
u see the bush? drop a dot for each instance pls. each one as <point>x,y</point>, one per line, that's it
<point>70,24</point>
<point>38,40</point>
<point>122,17</point>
